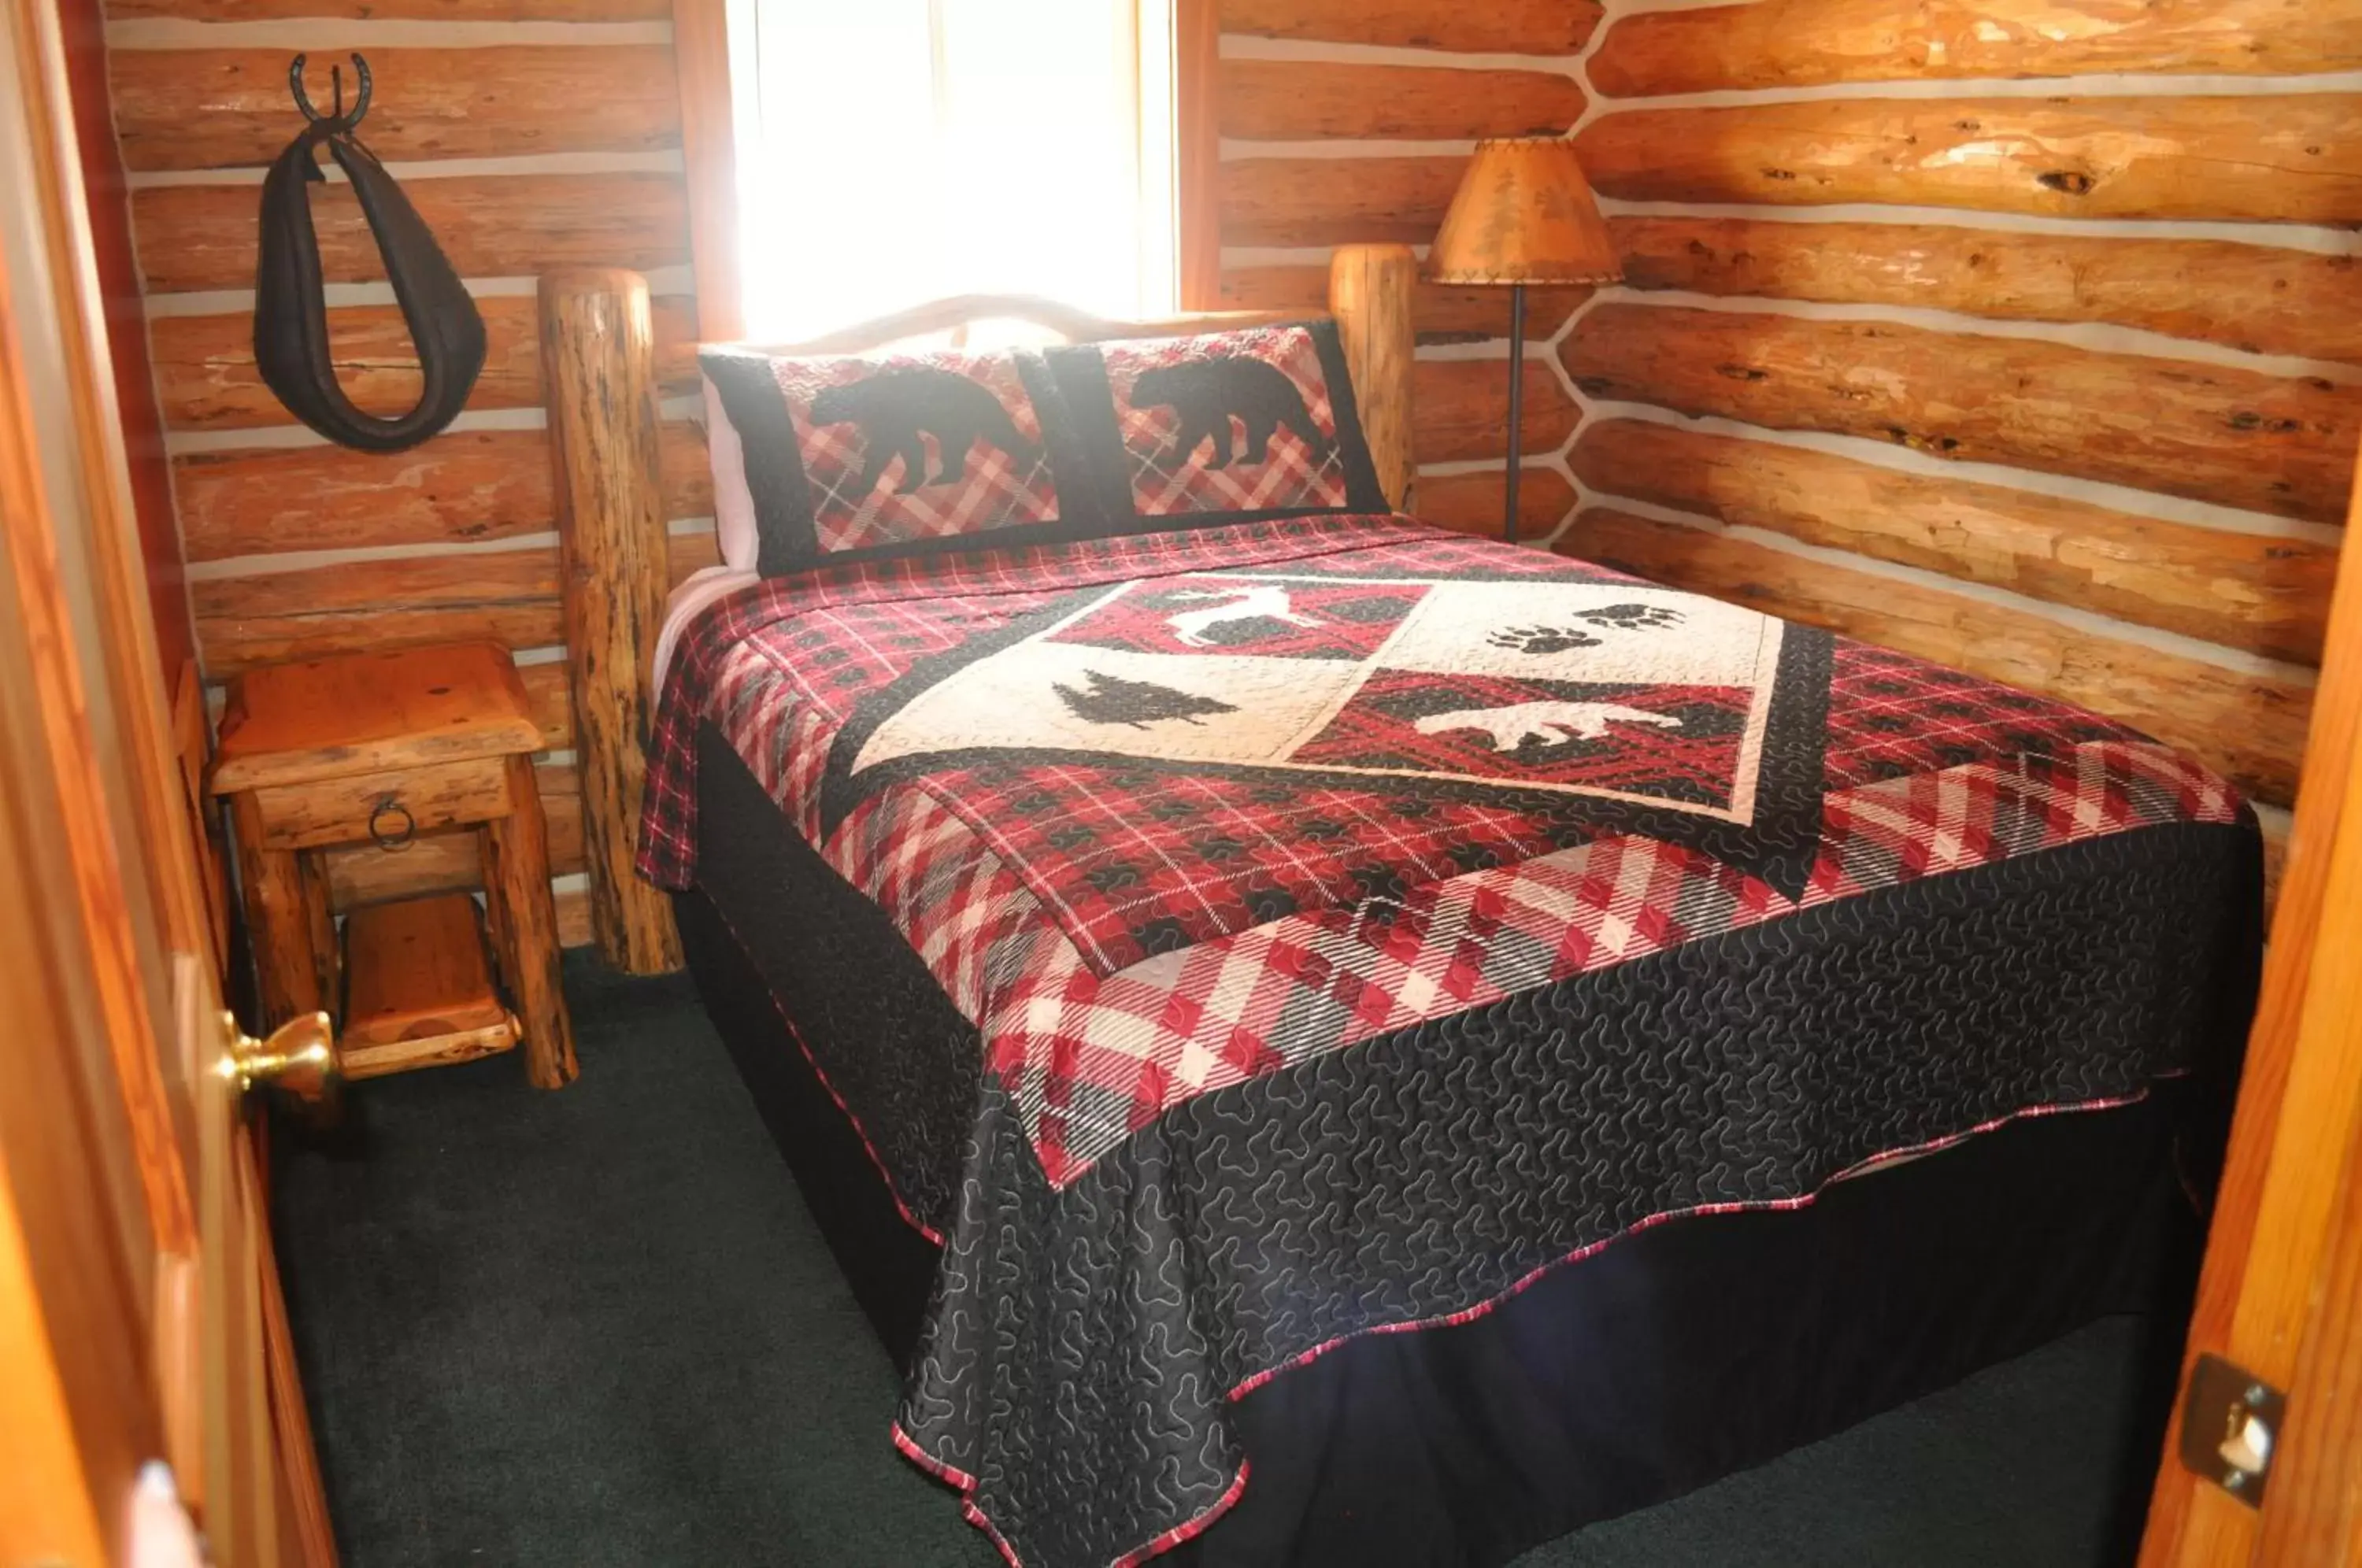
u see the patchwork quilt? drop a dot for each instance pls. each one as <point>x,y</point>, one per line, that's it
<point>1681,906</point>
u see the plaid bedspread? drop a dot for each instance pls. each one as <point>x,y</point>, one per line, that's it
<point>1169,814</point>
<point>1168,811</point>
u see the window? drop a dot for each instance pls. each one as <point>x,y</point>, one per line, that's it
<point>895,152</point>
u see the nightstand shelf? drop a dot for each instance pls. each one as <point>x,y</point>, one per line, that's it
<point>419,992</point>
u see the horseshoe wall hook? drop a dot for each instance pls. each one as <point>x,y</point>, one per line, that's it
<point>336,76</point>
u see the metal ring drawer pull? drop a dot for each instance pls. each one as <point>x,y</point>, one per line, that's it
<point>398,838</point>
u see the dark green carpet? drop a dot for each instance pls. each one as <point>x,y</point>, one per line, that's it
<point>598,1328</point>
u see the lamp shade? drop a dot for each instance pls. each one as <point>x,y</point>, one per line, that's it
<point>1524,213</point>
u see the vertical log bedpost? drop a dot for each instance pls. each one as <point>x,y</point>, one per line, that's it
<point>1370,289</point>
<point>598,357</point>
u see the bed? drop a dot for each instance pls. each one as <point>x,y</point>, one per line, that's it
<point>1179,962</point>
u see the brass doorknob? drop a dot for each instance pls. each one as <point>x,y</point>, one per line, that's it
<point>300,1056</point>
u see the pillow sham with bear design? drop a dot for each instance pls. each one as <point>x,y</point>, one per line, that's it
<point>853,456</point>
<point>1223,427</point>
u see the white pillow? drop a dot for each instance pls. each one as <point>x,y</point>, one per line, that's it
<point>733,503</point>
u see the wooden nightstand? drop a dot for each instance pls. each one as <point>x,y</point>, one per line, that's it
<point>380,748</point>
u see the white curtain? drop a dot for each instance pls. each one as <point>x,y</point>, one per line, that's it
<point>894,151</point>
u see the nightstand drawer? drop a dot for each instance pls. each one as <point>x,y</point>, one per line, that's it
<point>393,805</point>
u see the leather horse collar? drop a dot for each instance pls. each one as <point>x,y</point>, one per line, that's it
<point>291,317</point>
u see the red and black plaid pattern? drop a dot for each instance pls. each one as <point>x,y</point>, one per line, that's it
<point>1132,862</point>
<point>1923,825</point>
<point>949,594</point>
<point>999,490</point>
<point>846,651</point>
<point>1127,937</point>
<point>963,909</point>
<point>1170,480</point>
<point>1093,1058</point>
<point>1891,715</point>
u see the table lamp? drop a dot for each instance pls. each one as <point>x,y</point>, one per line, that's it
<point>1524,213</point>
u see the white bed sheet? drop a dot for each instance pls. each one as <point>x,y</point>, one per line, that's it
<point>705,586</point>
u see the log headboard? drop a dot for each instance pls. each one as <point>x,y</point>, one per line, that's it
<point>598,366</point>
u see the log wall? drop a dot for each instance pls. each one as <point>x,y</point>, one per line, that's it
<point>2018,332</point>
<point>2023,333</point>
<point>1349,120</point>
<point>530,134</point>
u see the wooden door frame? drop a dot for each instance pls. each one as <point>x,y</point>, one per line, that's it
<point>2286,1210</point>
<point>119,579</point>
<point>76,1270</point>
<point>115,1019</point>
<point>77,467</point>
<point>2313,1514</point>
<point>70,460</point>
<point>81,1256</point>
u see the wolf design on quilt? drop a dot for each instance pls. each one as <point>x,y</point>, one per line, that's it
<point>1435,692</point>
<point>1376,722</point>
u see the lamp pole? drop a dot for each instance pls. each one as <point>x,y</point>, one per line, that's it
<point>1523,213</point>
<point>1517,406</point>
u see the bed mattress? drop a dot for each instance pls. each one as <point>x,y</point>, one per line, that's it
<point>1349,924</point>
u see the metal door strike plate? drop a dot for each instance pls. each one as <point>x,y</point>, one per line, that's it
<point>2230,1423</point>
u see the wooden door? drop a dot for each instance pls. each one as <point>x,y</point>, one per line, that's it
<point>140,1312</point>
<point>2280,1297</point>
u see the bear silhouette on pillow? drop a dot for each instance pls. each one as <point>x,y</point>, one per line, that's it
<point>895,407</point>
<point>1207,394</point>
